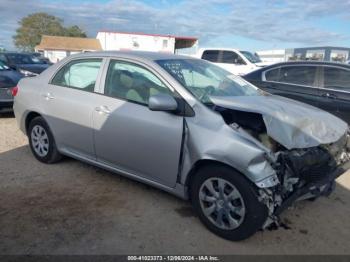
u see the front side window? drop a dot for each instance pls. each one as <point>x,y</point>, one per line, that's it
<point>211,55</point>
<point>299,75</point>
<point>336,78</point>
<point>229,57</point>
<point>204,79</point>
<point>79,74</point>
<point>132,82</point>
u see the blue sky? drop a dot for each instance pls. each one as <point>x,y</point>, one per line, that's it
<point>247,24</point>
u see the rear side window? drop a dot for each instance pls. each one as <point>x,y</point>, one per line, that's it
<point>299,75</point>
<point>229,57</point>
<point>336,78</point>
<point>211,55</point>
<point>79,74</point>
<point>273,75</point>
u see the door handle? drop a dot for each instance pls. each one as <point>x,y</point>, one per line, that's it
<point>103,110</point>
<point>329,95</point>
<point>48,96</point>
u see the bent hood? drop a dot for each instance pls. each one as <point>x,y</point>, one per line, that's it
<point>291,123</point>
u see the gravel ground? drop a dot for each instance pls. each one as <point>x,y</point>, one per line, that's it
<point>74,208</point>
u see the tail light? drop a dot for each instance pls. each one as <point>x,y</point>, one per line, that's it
<point>14,91</point>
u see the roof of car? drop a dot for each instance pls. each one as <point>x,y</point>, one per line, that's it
<point>15,53</point>
<point>134,54</point>
<point>309,63</point>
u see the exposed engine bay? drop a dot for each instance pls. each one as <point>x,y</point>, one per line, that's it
<point>303,173</point>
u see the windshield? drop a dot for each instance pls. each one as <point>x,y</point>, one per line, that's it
<point>20,59</point>
<point>254,58</point>
<point>204,79</point>
<point>3,66</point>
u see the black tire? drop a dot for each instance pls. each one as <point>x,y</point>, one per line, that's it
<point>52,155</point>
<point>255,212</point>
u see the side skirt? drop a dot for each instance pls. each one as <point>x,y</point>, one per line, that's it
<point>179,190</point>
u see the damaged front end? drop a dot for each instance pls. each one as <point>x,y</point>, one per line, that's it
<point>305,174</point>
<point>305,168</point>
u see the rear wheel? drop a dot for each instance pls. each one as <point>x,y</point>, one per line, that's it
<point>227,203</point>
<point>41,141</point>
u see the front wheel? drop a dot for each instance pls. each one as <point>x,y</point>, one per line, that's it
<point>227,203</point>
<point>41,141</point>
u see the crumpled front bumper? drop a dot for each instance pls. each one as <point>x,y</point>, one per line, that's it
<point>321,187</point>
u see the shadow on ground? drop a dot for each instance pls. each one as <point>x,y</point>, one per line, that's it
<point>7,115</point>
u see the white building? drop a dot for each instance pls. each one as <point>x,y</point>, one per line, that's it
<point>272,56</point>
<point>144,42</point>
<point>56,48</point>
<point>315,53</point>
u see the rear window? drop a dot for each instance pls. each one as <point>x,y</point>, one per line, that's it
<point>211,55</point>
<point>336,78</point>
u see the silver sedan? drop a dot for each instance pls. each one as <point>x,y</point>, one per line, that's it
<point>184,125</point>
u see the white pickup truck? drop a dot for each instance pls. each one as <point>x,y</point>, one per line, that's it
<point>235,61</point>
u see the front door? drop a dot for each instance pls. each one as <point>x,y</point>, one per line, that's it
<point>130,137</point>
<point>68,103</point>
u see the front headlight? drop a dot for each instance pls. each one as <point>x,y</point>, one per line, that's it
<point>268,182</point>
<point>27,73</point>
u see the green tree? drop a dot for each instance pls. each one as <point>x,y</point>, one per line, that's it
<point>33,26</point>
<point>74,31</point>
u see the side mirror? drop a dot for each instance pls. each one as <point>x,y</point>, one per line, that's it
<point>162,102</point>
<point>239,61</point>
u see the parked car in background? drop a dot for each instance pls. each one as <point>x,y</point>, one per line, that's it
<point>235,61</point>
<point>26,64</point>
<point>188,127</point>
<point>45,60</point>
<point>8,80</point>
<point>322,84</point>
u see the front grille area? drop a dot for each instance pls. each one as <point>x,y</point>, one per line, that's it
<point>311,164</point>
<point>315,174</point>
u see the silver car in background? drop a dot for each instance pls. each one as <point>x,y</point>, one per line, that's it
<point>184,125</point>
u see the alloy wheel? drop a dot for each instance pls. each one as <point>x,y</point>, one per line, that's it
<point>40,140</point>
<point>222,203</point>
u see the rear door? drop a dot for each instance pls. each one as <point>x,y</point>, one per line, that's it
<point>335,91</point>
<point>293,81</point>
<point>68,102</point>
